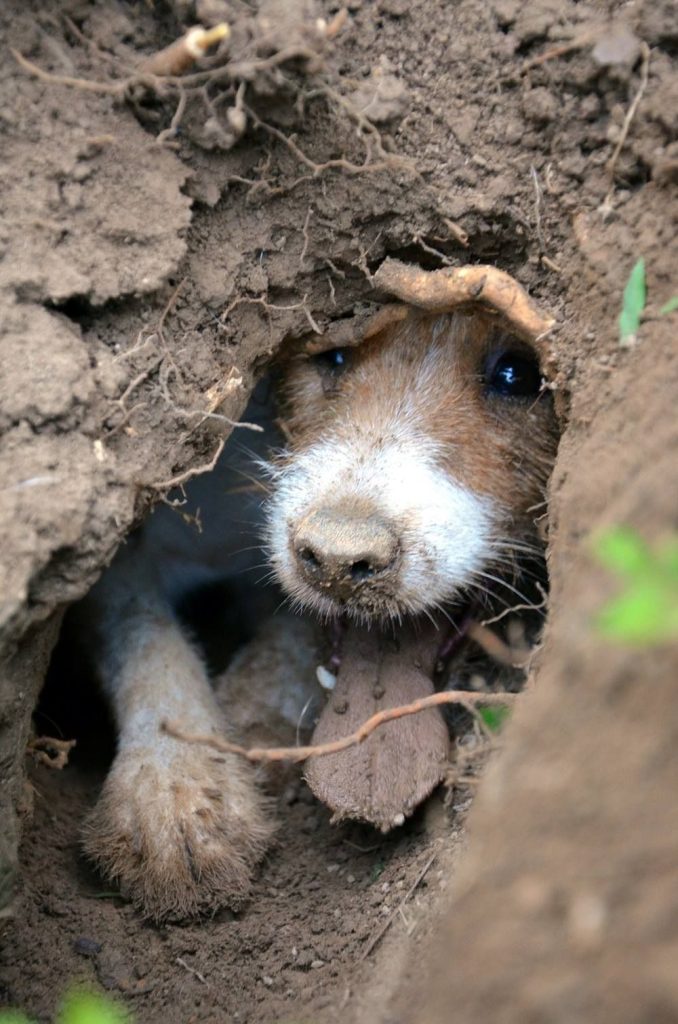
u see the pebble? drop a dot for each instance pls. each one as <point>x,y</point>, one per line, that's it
<point>86,947</point>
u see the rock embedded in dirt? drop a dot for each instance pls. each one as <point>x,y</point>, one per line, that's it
<point>386,777</point>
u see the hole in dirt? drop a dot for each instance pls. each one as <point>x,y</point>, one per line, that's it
<point>77,308</point>
<point>326,895</point>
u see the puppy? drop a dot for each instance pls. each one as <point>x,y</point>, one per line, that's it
<point>415,465</point>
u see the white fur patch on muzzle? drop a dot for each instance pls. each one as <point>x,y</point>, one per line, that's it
<point>445,532</point>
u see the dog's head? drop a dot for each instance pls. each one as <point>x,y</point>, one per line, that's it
<point>416,466</point>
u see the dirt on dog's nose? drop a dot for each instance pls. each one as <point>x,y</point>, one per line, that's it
<point>340,550</point>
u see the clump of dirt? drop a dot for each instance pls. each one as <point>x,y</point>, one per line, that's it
<point>153,258</point>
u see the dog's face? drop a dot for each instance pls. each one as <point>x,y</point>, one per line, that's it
<point>416,467</point>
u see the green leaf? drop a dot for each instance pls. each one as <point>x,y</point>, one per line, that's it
<point>669,307</point>
<point>646,611</point>
<point>638,616</point>
<point>88,1008</point>
<point>620,548</point>
<point>633,304</point>
<point>494,716</point>
<point>667,550</point>
<point>13,1017</point>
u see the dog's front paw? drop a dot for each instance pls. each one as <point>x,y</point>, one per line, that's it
<point>180,829</point>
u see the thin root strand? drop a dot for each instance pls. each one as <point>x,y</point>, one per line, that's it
<point>468,699</point>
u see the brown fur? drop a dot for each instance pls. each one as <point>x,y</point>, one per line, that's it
<point>498,447</point>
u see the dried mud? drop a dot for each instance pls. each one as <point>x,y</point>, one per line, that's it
<point>120,255</point>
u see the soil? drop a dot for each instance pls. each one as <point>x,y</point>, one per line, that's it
<point>147,276</point>
<point>323,897</point>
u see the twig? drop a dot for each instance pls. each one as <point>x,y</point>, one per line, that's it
<point>378,936</point>
<point>363,122</point>
<point>248,69</point>
<point>467,698</point>
<point>193,82</point>
<point>306,237</point>
<point>630,114</point>
<point>157,331</point>
<point>519,608</point>
<point>560,51</point>
<point>551,265</point>
<point>538,206</point>
<point>191,970</point>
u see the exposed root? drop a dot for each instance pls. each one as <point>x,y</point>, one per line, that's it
<point>456,231</point>
<point>526,607</point>
<point>445,260</point>
<point>182,478</point>
<point>440,291</point>
<point>369,166</point>
<point>578,43</point>
<point>468,699</point>
<point>148,337</point>
<point>365,126</point>
<point>260,300</point>
<point>85,84</point>
<point>167,134</point>
<point>220,418</point>
<point>183,53</point>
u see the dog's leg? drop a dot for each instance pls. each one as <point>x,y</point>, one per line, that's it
<point>178,826</point>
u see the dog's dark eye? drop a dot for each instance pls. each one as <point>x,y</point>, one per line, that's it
<point>514,375</point>
<point>335,359</point>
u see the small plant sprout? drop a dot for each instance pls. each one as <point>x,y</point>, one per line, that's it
<point>669,307</point>
<point>633,304</point>
<point>493,718</point>
<point>645,613</point>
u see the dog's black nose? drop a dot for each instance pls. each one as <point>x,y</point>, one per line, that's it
<point>340,550</point>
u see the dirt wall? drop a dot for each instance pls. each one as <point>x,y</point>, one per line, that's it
<point>564,908</point>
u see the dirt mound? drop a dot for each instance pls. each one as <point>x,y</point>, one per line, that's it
<point>159,242</point>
